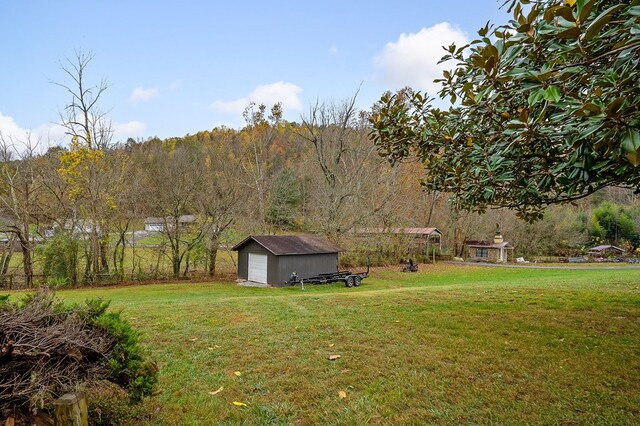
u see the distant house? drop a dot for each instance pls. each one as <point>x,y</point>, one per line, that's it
<point>154,224</point>
<point>606,250</point>
<point>159,224</point>
<point>271,259</point>
<point>496,251</point>
<point>81,226</point>
<point>187,219</point>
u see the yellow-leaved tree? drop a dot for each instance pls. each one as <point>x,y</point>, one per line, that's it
<point>93,173</point>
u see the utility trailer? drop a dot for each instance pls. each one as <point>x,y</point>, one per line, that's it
<point>349,279</point>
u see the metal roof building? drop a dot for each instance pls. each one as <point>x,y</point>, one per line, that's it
<point>606,249</point>
<point>271,259</point>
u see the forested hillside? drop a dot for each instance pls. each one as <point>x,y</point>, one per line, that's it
<point>95,209</point>
<point>73,210</point>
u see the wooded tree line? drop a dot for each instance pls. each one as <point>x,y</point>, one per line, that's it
<point>75,213</point>
<point>269,177</point>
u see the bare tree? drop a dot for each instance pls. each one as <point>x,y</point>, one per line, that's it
<point>82,117</point>
<point>172,185</point>
<point>348,164</point>
<point>20,192</point>
<point>220,198</point>
<point>84,165</point>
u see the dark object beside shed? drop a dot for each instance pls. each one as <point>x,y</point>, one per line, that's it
<point>271,259</point>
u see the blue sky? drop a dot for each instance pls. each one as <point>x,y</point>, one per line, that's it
<point>180,67</point>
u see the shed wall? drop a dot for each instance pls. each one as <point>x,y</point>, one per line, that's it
<point>279,268</point>
<point>306,265</point>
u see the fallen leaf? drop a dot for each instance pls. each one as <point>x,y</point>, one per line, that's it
<point>194,339</point>
<point>342,394</point>
<point>10,421</point>
<point>217,391</point>
<point>237,373</point>
<point>332,345</point>
<point>334,357</point>
<point>239,404</point>
<point>345,371</point>
<point>210,348</point>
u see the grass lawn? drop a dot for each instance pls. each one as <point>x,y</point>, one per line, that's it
<point>448,345</point>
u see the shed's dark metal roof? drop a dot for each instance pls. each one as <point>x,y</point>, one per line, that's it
<point>281,245</point>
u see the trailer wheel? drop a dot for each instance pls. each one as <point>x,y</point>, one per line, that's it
<point>349,281</point>
<point>356,280</point>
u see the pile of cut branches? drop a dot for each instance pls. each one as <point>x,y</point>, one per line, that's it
<point>48,348</point>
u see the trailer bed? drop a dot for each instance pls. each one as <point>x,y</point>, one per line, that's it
<point>349,279</point>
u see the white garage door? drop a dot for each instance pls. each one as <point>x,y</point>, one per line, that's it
<point>258,268</point>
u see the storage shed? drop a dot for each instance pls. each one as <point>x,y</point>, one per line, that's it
<point>271,259</point>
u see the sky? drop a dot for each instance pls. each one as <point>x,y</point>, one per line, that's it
<point>176,68</point>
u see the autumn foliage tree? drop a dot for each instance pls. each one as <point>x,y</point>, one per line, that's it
<point>545,109</point>
<point>91,185</point>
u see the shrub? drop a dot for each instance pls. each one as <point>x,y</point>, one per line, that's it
<point>109,404</point>
<point>57,282</point>
<point>127,364</point>
<point>48,348</point>
<point>60,256</point>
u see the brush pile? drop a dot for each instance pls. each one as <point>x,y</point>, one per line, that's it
<point>48,348</point>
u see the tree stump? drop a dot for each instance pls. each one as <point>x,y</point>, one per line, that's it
<point>71,410</point>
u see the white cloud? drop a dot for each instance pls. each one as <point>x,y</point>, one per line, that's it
<point>10,129</point>
<point>286,93</point>
<point>333,50</point>
<point>413,59</point>
<point>140,94</point>
<point>38,138</point>
<point>129,129</point>
<point>51,134</point>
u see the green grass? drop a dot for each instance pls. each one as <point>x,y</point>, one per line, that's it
<point>146,259</point>
<point>449,345</point>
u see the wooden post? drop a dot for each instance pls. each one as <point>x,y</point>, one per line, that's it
<point>71,410</point>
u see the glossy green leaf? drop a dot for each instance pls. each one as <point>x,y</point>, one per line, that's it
<point>631,141</point>
<point>552,94</point>
<point>603,19</point>
<point>536,96</point>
